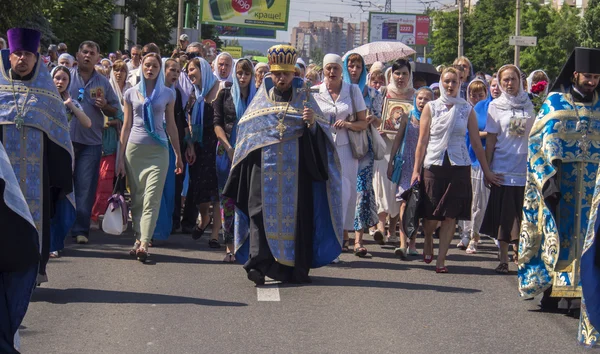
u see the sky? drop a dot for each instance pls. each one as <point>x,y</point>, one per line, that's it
<point>320,10</point>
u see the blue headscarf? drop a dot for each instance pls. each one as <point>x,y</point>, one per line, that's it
<point>415,111</point>
<point>147,110</point>
<point>481,111</point>
<point>208,82</point>
<point>362,81</point>
<point>238,102</point>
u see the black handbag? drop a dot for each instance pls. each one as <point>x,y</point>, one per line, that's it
<point>412,212</point>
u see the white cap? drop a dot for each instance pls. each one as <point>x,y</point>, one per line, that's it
<point>332,59</point>
<point>184,37</point>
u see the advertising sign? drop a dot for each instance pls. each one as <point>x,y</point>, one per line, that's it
<point>233,31</point>
<point>265,14</point>
<point>236,52</point>
<point>410,29</point>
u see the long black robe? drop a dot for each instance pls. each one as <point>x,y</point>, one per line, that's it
<point>244,186</point>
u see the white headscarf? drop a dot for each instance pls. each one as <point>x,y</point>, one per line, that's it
<point>444,124</point>
<point>377,66</point>
<point>229,78</point>
<point>510,102</point>
<point>530,81</point>
<point>406,93</point>
<point>469,88</point>
<point>115,85</point>
<point>332,59</point>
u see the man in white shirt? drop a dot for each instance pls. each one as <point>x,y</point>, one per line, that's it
<point>135,62</point>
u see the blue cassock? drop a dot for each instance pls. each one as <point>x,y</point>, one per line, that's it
<point>32,119</point>
<point>264,126</point>
<point>559,212</point>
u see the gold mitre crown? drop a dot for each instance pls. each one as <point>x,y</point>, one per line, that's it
<point>282,58</point>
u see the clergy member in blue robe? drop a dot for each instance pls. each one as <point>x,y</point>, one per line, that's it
<point>563,161</point>
<point>34,132</point>
<point>285,180</point>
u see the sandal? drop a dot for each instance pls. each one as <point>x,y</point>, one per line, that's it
<point>378,237</point>
<point>54,254</point>
<point>472,249</point>
<point>346,246</point>
<point>442,270</point>
<point>134,249</point>
<point>401,252</point>
<point>413,252</point>
<point>214,243</point>
<point>427,258</point>
<point>198,232</point>
<point>359,250</point>
<point>229,258</point>
<point>141,254</point>
<point>502,268</point>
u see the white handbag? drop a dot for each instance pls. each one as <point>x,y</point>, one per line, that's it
<point>116,215</point>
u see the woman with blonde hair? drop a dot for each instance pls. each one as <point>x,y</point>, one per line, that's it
<point>443,167</point>
<point>144,156</point>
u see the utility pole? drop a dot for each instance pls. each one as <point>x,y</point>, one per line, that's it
<point>461,48</point>
<point>179,20</point>
<point>517,33</point>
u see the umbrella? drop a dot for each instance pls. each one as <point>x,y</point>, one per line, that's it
<point>426,71</point>
<point>382,51</point>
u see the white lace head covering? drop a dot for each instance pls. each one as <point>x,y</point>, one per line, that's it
<point>229,77</point>
<point>444,123</point>
<point>406,92</point>
<point>507,101</point>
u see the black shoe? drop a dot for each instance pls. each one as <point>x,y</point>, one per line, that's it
<point>186,229</point>
<point>175,227</point>
<point>256,276</point>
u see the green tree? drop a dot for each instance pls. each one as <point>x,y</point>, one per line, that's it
<point>444,36</point>
<point>556,37</point>
<point>15,12</point>
<point>316,55</point>
<point>487,30</point>
<point>589,27</point>
<point>76,21</point>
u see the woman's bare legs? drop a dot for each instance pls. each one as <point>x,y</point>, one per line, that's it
<point>446,233</point>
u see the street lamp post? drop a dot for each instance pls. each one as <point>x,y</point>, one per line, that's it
<point>517,33</point>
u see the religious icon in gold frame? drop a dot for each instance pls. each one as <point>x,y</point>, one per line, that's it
<point>393,111</point>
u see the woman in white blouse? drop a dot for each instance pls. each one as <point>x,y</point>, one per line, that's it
<point>340,100</point>
<point>443,165</point>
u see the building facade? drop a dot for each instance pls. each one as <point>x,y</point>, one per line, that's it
<point>333,36</point>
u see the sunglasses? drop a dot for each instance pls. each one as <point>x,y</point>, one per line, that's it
<point>80,97</point>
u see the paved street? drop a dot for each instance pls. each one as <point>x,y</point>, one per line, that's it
<point>100,300</point>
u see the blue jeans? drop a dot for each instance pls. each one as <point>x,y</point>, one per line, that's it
<point>85,180</point>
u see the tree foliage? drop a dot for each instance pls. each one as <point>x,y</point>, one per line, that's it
<point>589,27</point>
<point>76,21</point>
<point>488,27</point>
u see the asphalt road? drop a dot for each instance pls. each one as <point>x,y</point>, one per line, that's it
<point>100,300</point>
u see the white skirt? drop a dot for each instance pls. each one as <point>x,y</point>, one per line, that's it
<point>349,182</point>
<point>385,190</point>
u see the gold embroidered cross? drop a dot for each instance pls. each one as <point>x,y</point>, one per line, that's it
<point>281,128</point>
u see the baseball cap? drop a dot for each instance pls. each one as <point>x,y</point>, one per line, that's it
<point>184,37</point>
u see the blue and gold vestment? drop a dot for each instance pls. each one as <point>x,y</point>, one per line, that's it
<point>564,152</point>
<point>274,130</point>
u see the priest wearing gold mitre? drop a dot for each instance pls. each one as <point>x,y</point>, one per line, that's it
<point>285,179</point>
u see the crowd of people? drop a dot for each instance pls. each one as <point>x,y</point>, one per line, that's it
<point>287,160</point>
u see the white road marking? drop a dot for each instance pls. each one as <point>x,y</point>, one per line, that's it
<point>268,293</point>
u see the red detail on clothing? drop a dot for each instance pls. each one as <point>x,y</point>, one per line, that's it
<point>105,185</point>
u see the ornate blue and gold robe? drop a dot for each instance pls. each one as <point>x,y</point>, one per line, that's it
<point>564,154</point>
<point>284,178</point>
<point>35,134</point>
